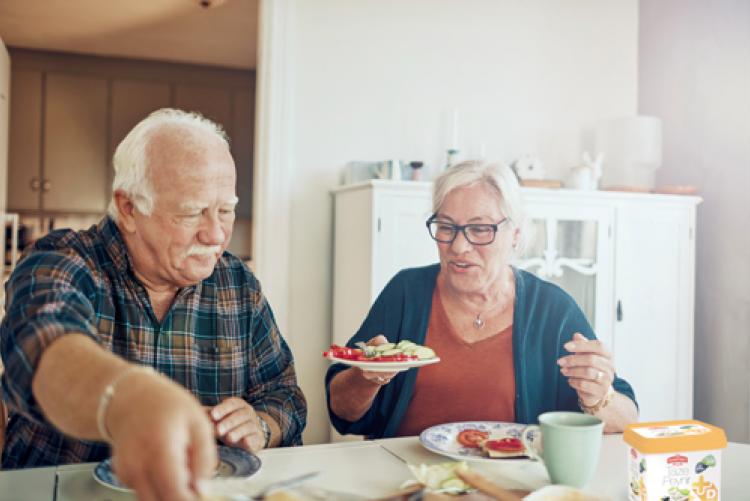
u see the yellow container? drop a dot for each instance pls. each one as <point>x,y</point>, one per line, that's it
<point>674,461</point>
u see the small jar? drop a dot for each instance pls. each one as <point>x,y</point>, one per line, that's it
<point>416,170</point>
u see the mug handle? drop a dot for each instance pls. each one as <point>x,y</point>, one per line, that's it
<point>530,451</point>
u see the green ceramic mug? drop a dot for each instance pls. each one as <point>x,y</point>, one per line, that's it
<point>571,442</point>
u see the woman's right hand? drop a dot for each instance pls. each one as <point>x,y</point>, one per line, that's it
<point>377,377</point>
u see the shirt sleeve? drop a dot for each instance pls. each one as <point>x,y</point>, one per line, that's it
<point>383,318</point>
<point>274,389</point>
<point>575,321</point>
<point>47,296</point>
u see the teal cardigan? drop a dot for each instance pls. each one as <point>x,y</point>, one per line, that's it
<point>545,318</point>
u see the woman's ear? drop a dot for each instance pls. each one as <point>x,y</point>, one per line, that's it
<point>516,237</point>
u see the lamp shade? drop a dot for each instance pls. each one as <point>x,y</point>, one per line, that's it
<point>632,151</point>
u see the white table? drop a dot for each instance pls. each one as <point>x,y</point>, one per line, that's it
<point>368,469</point>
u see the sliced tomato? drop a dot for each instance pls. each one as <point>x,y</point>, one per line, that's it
<point>472,438</point>
<point>504,445</point>
<point>343,352</point>
<point>394,358</point>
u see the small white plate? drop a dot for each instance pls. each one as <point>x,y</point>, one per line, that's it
<point>233,462</point>
<point>442,439</point>
<point>561,492</point>
<point>385,366</point>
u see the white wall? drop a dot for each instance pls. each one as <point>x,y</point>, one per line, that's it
<point>376,79</point>
<point>695,74</point>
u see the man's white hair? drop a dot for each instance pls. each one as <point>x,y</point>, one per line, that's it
<point>500,179</point>
<point>130,160</point>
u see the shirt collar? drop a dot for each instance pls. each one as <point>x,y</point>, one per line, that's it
<point>115,245</point>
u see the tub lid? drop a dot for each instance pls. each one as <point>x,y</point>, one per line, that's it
<point>674,436</point>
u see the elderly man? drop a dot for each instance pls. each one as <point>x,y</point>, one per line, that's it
<point>151,286</point>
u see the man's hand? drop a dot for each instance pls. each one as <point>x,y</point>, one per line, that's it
<point>162,440</point>
<point>237,424</point>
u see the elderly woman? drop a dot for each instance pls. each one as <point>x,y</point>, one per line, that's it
<point>512,346</point>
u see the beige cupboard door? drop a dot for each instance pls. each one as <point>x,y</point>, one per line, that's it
<point>243,111</point>
<point>211,102</point>
<point>75,144</point>
<point>24,161</point>
<point>132,101</point>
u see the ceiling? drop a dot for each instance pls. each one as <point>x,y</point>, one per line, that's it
<point>224,34</point>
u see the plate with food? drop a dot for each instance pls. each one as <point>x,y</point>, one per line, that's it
<point>233,462</point>
<point>387,357</point>
<point>481,440</point>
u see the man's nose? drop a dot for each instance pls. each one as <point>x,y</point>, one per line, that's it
<point>212,232</point>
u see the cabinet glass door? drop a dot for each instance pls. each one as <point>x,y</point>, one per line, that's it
<point>571,247</point>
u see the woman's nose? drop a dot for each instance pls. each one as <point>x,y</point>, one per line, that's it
<point>461,244</point>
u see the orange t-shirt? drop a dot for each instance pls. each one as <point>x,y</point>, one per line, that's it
<point>472,381</point>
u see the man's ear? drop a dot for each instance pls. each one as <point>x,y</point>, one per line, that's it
<point>125,211</point>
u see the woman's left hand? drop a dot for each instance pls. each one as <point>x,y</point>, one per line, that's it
<point>590,369</point>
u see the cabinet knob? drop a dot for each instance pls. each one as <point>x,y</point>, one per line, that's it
<point>619,310</point>
<point>46,185</point>
<point>34,184</point>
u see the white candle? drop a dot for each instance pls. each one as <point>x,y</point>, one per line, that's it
<point>454,129</point>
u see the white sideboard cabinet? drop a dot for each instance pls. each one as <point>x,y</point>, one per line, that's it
<point>627,258</point>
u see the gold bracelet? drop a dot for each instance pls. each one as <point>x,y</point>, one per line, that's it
<point>601,404</point>
<point>108,393</point>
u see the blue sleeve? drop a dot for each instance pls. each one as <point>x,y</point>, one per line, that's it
<point>384,318</point>
<point>49,295</point>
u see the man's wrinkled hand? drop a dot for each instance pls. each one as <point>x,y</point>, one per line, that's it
<point>162,443</point>
<point>237,424</point>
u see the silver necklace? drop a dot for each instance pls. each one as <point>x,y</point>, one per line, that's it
<point>478,322</point>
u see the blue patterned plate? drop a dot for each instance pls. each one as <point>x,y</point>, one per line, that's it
<point>233,462</point>
<point>442,439</point>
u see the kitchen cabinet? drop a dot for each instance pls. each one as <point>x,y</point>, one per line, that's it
<point>74,173</point>
<point>628,259</point>
<point>4,117</point>
<point>24,148</point>
<point>58,146</point>
<point>132,101</point>
<point>69,113</point>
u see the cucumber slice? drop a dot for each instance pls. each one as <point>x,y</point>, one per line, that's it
<point>453,484</point>
<point>423,353</point>
<point>385,347</point>
<point>389,352</point>
<point>405,343</point>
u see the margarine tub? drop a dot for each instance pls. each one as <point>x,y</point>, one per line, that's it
<point>674,461</point>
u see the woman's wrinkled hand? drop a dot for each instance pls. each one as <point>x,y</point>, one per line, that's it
<point>589,369</point>
<point>377,377</point>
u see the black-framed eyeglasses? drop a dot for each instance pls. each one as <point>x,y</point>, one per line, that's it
<point>476,234</point>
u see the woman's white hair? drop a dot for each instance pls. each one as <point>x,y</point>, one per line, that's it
<point>500,179</point>
<point>131,160</point>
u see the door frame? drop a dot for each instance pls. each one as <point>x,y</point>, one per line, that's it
<point>273,158</point>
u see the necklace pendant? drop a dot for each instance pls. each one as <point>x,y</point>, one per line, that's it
<point>478,323</point>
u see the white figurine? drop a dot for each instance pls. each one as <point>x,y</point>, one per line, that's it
<point>587,175</point>
<point>528,167</point>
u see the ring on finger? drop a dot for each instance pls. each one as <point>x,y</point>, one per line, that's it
<point>599,375</point>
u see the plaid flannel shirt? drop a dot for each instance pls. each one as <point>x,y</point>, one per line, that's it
<point>219,339</point>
